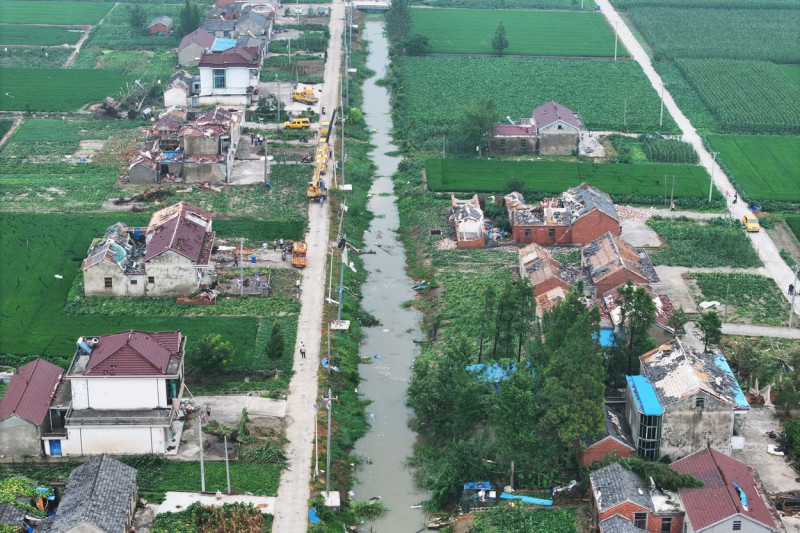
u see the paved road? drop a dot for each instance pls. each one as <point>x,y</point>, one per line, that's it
<point>750,330</point>
<point>774,265</point>
<point>291,506</point>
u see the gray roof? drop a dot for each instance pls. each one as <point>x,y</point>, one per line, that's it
<point>10,514</point>
<point>165,20</point>
<point>552,111</point>
<point>212,25</point>
<point>614,485</point>
<point>99,493</point>
<point>256,18</point>
<point>592,198</point>
<point>618,524</point>
<point>617,428</point>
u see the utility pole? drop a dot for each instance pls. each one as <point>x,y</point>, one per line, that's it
<point>227,466</point>
<point>202,464</point>
<point>341,277</point>
<point>794,291</point>
<point>266,162</point>
<point>661,118</point>
<point>329,403</point>
<point>279,96</point>
<point>711,185</point>
<point>241,266</point>
<point>316,446</point>
<point>616,38</point>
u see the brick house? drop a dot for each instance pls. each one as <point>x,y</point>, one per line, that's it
<point>538,266</point>
<point>731,500</point>
<point>617,492</point>
<point>579,215</point>
<point>514,139</point>
<point>552,129</point>
<point>612,262</point>
<point>162,25</point>
<point>615,442</point>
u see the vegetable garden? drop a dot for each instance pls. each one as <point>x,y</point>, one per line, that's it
<point>721,242</point>
<point>763,167</point>
<point>512,4</point>
<point>61,13</point>
<point>745,298</point>
<point>540,33</point>
<point>605,93</point>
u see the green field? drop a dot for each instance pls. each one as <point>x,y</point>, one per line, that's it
<point>5,125</point>
<point>512,4</point>
<point>34,57</point>
<point>723,4</point>
<point>727,33</point>
<point>538,33</point>
<point>61,13</point>
<point>431,90</point>
<point>765,167</point>
<point>745,298</point>
<point>485,176</point>
<point>792,72</point>
<point>37,35</point>
<point>794,225</point>
<point>47,89</point>
<point>115,32</point>
<point>745,96</point>
<point>690,243</point>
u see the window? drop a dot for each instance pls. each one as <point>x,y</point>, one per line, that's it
<point>134,282</point>
<point>737,525</point>
<point>219,78</point>
<point>640,520</point>
<point>699,402</point>
<point>108,282</point>
<point>551,233</point>
<point>666,525</point>
<point>649,438</point>
<point>523,144</point>
<point>151,279</point>
<point>527,232</point>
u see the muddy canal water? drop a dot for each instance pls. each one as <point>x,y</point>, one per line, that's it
<point>385,379</point>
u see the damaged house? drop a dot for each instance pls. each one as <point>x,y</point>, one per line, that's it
<point>540,269</point>
<point>125,393</point>
<point>579,215</point>
<point>683,401</point>
<point>467,218</point>
<point>552,129</point>
<point>171,257</point>
<point>612,261</point>
<point>615,441</point>
<point>181,88</point>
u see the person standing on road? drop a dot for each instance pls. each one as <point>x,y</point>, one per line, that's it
<point>208,411</point>
<point>303,352</point>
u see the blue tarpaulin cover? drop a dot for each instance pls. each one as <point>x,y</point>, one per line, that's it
<point>646,400</point>
<point>526,499</point>
<point>312,516</point>
<point>478,485</point>
<point>220,45</point>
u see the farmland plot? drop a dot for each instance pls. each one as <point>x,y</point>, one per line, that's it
<point>115,32</point>
<point>38,35</point>
<point>745,298</point>
<point>724,4</point>
<point>63,13</point>
<point>675,32</point>
<point>765,167</point>
<point>51,89</point>
<point>694,244</point>
<point>539,33</point>
<point>34,57</point>
<point>605,93</point>
<point>745,96</point>
<point>512,4</point>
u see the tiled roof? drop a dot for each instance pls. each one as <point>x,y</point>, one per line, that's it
<point>180,235</point>
<point>212,25</point>
<point>677,371</point>
<point>254,17</point>
<point>181,209</point>
<point>505,129</point>
<point>166,21</point>
<point>99,493</point>
<point>199,36</point>
<point>30,391</point>
<point>609,254</point>
<point>616,427</point>
<point>592,198</point>
<point>619,524</point>
<point>614,485</point>
<point>11,514</point>
<point>233,57</point>
<point>134,353</point>
<point>719,498</point>
<point>552,111</point>
<point>548,300</point>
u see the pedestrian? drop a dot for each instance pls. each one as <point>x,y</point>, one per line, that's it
<point>202,417</point>
<point>791,289</point>
<point>672,207</point>
<point>303,352</point>
<point>275,244</point>
<point>253,140</point>
<point>208,410</point>
<point>736,198</point>
<point>281,242</point>
<point>297,282</point>
<point>299,292</point>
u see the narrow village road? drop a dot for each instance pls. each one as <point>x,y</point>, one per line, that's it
<point>750,330</point>
<point>291,505</point>
<point>74,55</point>
<point>774,265</point>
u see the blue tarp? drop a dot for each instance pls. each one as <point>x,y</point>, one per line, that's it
<point>478,485</point>
<point>171,156</point>
<point>606,338</point>
<point>738,396</point>
<point>495,372</point>
<point>526,499</point>
<point>645,396</point>
<point>312,516</point>
<point>221,45</point>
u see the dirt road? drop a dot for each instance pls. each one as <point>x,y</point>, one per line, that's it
<point>291,506</point>
<point>774,265</point>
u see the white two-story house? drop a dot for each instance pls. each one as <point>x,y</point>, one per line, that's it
<point>229,77</point>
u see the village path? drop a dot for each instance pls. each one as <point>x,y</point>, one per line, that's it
<point>74,55</point>
<point>774,266</point>
<point>291,505</point>
<point>10,132</point>
<point>750,330</point>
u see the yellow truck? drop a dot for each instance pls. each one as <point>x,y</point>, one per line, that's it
<point>305,96</point>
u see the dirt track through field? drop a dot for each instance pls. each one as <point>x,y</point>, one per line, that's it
<point>71,59</point>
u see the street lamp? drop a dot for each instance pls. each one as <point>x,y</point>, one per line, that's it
<point>711,184</point>
<point>661,117</point>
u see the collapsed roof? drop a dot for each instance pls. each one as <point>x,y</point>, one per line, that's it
<point>564,210</point>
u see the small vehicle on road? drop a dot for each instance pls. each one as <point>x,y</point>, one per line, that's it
<point>299,255</point>
<point>751,223</point>
<point>297,124</point>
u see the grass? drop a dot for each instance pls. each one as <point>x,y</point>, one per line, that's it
<point>53,89</point>
<point>38,35</point>
<point>693,244</point>
<point>34,57</point>
<point>539,33</point>
<point>792,72</point>
<point>5,125</point>
<point>63,13</point>
<point>746,298</point>
<point>765,167</point>
<point>794,225</point>
<point>459,175</point>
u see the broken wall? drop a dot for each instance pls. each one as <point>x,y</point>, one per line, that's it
<point>687,428</point>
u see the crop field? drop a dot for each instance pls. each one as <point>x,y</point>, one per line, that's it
<point>34,57</point>
<point>792,72</point>
<point>746,298</point>
<point>693,244</point>
<point>729,33</point>
<point>36,247</point>
<point>794,225</point>
<point>686,97</point>
<point>49,136</point>
<point>571,5</point>
<point>725,4</point>
<point>603,92</point>
<point>115,32</point>
<point>61,13</point>
<point>538,33</point>
<point>746,96</point>
<point>462,175</point>
<point>38,35</point>
<point>51,89</point>
<point>765,167</point>
<point>5,125</point>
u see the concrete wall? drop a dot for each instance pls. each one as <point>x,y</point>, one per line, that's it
<point>225,100</point>
<point>190,56</point>
<point>237,80</point>
<point>175,96</point>
<point>560,143</point>
<point>687,429</point>
<point>119,393</point>
<point>114,439</point>
<point>19,436</point>
<point>201,145</point>
<point>512,145</point>
<point>467,244</point>
<point>141,174</point>
<point>211,172</point>
<point>121,284</point>
<point>172,273</point>
<point>599,450</point>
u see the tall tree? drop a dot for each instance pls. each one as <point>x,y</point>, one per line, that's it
<point>398,21</point>
<point>275,346</point>
<point>499,41</point>
<point>489,297</point>
<point>190,18</point>
<point>710,325</point>
<point>210,355</point>
<point>637,316</point>
<point>525,311</point>
<point>137,18</point>
<point>475,125</point>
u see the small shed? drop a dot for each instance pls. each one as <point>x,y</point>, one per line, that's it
<point>163,25</point>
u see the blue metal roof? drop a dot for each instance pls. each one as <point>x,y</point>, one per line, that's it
<point>739,398</point>
<point>220,45</point>
<point>644,395</point>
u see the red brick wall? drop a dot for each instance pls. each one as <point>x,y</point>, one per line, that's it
<point>539,234</point>
<point>628,509</point>
<point>548,284</point>
<point>599,450</point>
<point>159,28</point>
<point>615,280</point>
<point>472,243</point>
<point>591,226</point>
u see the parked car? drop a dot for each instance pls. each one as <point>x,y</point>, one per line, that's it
<point>297,124</point>
<point>751,223</point>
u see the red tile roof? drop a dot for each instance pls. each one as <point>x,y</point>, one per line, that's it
<point>179,235</point>
<point>552,111</point>
<point>30,391</point>
<point>136,353</point>
<point>237,56</point>
<point>515,130</point>
<point>719,499</point>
